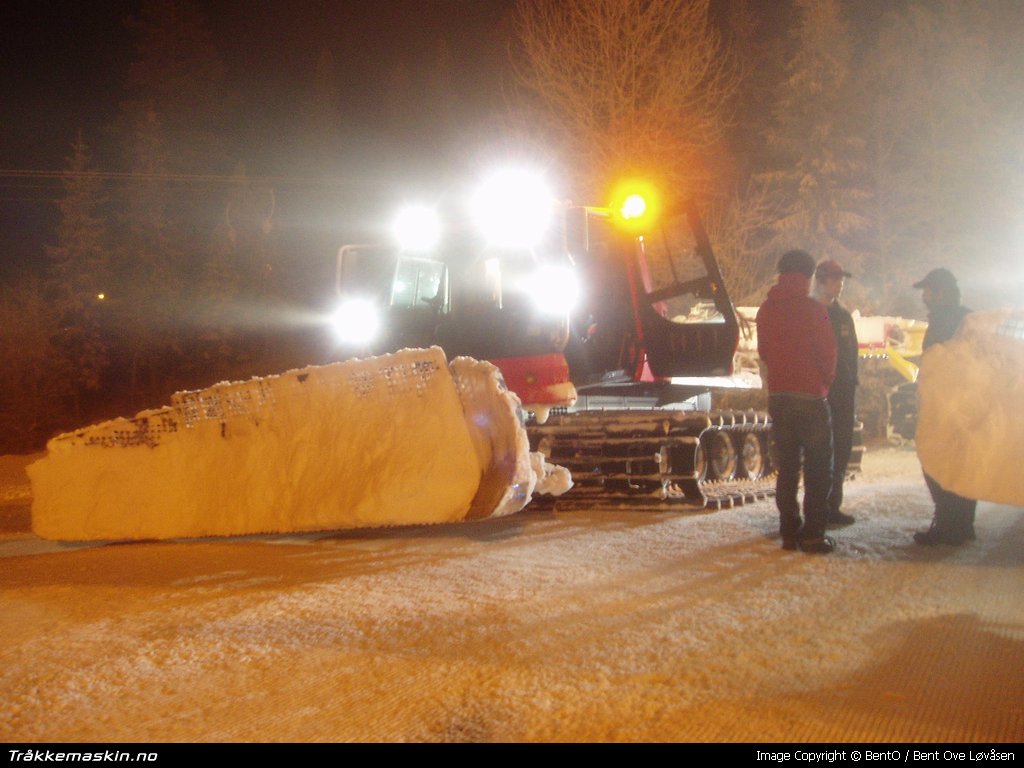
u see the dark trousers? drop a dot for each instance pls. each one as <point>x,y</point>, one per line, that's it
<point>841,405</point>
<point>802,440</point>
<point>954,515</point>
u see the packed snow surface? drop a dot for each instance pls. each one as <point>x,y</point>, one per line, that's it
<point>547,625</point>
<point>970,434</point>
<point>396,439</point>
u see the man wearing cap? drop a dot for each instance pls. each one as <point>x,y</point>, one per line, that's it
<point>953,521</point>
<point>796,344</point>
<point>829,278</point>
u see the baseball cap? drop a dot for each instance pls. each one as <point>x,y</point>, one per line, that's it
<point>830,268</point>
<point>937,278</point>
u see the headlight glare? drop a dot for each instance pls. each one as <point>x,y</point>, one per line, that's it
<point>555,289</point>
<point>356,322</point>
<point>513,209</point>
<point>417,228</point>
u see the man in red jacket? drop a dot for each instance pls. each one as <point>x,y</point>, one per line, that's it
<point>796,343</point>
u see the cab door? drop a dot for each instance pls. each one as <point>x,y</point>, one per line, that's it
<point>655,306</point>
<point>685,317</point>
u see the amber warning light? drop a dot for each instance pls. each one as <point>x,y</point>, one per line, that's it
<point>635,204</point>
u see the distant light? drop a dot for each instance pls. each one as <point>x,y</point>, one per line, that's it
<point>417,228</point>
<point>513,208</point>
<point>101,296</point>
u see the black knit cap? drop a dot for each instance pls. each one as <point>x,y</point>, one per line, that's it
<point>796,261</point>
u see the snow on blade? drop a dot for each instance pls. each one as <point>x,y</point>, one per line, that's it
<point>390,440</point>
<point>494,421</point>
<point>969,434</point>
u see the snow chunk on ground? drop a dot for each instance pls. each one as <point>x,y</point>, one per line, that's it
<point>551,478</point>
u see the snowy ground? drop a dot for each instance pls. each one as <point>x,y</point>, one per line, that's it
<point>587,625</point>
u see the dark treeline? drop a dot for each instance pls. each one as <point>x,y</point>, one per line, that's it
<point>192,237</point>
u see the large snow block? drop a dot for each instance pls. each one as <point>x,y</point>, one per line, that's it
<point>969,431</point>
<point>380,441</point>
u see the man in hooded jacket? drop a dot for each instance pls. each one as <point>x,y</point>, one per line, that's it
<point>796,344</point>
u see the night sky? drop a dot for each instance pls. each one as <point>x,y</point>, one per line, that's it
<point>64,63</point>
<point>64,66</point>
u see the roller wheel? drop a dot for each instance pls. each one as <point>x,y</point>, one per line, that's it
<point>700,463</point>
<point>752,456</point>
<point>721,456</point>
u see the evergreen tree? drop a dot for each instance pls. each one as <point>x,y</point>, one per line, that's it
<point>147,272</point>
<point>817,158</point>
<point>178,75</point>
<point>176,80</point>
<point>78,275</point>
<point>182,243</point>
<point>759,53</point>
<point>239,288</point>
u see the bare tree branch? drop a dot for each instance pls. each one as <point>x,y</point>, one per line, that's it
<point>625,87</point>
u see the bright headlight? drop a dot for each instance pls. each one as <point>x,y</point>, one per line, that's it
<point>356,322</point>
<point>417,228</point>
<point>513,208</point>
<point>555,289</point>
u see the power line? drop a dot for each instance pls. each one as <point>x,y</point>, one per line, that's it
<point>178,177</point>
<point>37,186</point>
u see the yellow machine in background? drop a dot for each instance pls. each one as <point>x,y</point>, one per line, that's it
<point>890,350</point>
<point>894,339</point>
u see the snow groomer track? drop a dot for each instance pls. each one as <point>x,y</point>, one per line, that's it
<point>660,459</point>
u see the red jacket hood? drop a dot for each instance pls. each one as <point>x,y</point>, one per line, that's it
<point>792,285</point>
